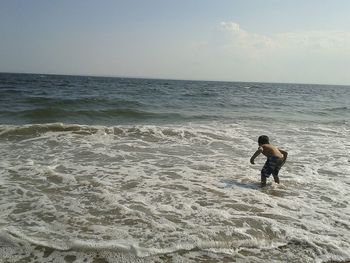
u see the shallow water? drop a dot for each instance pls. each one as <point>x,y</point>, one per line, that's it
<point>174,189</point>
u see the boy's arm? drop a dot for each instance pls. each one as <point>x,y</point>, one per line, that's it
<point>256,155</point>
<point>285,154</point>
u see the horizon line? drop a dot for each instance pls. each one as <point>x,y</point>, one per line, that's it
<point>170,79</point>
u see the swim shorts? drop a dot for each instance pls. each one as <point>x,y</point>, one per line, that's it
<point>272,166</point>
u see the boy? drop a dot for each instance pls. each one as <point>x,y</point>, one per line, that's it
<point>275,159</point>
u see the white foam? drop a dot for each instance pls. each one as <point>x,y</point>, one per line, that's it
<point>149,190</point>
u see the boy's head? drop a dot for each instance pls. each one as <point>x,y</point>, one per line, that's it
<point>263,139</point>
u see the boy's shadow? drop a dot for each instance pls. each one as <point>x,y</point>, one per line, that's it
<point>230,183</point>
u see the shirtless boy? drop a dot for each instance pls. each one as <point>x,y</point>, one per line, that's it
<point>275,159</point>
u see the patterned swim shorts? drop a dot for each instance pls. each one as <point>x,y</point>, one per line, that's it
<point>272,166</point>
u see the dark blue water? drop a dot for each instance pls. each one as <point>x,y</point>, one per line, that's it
<point>29,99</point>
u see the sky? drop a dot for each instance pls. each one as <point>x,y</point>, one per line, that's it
<point>291,41</point>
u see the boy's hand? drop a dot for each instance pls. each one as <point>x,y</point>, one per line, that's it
<point>256,154</point>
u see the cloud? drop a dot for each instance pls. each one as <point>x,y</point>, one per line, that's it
<point>315,39</point>
<point>313,56</point>
<point>308,40</point>
<point>229,26</point>
<point>243,39</point>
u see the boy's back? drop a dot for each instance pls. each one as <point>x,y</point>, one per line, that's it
<point>270,150</point>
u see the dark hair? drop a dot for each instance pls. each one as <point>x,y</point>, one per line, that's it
<point>263,139</point>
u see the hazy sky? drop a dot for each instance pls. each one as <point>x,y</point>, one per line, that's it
<point>304,41</point>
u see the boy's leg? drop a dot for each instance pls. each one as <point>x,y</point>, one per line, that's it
<point>275,176</point>
<point>265,172</point>
<point>263,180</point>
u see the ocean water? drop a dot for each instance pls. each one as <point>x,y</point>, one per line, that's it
<point>102,170</point>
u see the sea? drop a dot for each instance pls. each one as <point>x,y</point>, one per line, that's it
<point>106,169</point>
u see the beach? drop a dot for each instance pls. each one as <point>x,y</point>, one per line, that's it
<point>97,169</point>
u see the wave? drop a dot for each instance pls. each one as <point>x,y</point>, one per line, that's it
<point>333,114</point>
<point>151,133</point>
<point>44,115</point>
<point>10,131</point>
<point>337,109</point>
<point>81,102</point>
<point>101,114</point>
<point>132,251</point>
<point>13,236</point>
